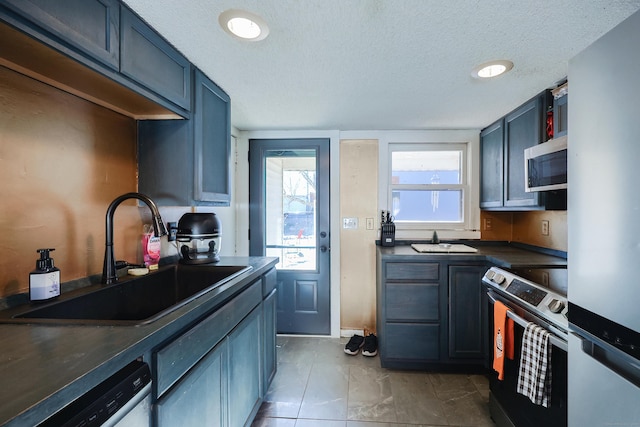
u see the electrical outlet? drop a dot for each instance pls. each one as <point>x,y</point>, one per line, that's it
<point>172,228</point>
<point>545,227</point>
<point>369,223</point>
<point>487,224</point>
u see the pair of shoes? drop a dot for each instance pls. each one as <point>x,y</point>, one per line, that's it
<point>368,344</point>
<point>353,346</point>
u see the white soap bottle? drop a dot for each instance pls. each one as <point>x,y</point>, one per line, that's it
<point>44,281</point>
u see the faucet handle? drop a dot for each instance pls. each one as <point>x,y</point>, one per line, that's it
<point>159,229</point>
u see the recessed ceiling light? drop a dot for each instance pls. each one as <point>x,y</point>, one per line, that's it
<point>243,24</point>
<point>491,69</point>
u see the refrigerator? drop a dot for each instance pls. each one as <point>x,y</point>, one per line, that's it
<point>603,220</point>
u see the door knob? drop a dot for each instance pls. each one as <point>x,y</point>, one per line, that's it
<point>323,248</point>
<point>323,234</point>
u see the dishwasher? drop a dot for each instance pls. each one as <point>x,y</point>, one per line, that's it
<point>124,399</point>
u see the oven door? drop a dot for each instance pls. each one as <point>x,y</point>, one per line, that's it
<point>509,408</point>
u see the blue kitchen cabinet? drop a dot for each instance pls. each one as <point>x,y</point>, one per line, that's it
<point>186,404</point>
<point>186,162</point>
<point>99,50</point>
<point>91,26</point>
<point>269,322</point>
<point>522,129</point>
<point>151,61</point>
<point>217,372</point>
<point>430,313</point>
<point>491,166</point>
<point>560,115</point>
<point>410,313</point>
<point>244,376</point>
<point>467,313</point>
<point>502,173</point>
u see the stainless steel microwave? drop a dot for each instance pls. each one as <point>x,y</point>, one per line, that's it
<point>545,166</point>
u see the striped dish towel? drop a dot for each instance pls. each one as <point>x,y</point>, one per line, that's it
<point>534,380</point>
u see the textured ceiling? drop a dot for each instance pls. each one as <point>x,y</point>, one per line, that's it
<point>383,64</point>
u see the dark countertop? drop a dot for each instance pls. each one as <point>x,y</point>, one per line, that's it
<point>501,255</point>
<point>44,367</point>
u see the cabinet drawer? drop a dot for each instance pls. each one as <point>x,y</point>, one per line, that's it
<point>412,341</point>
<point>412,301</point>
<point>269,282</point>
<point>412,270</point>
<point>179,356</point>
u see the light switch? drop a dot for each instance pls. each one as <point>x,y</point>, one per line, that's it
<point>369,223</point>
<point>350,223</point>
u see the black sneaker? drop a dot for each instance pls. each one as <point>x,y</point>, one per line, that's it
<point>354,345</point>
<point>370,346</point>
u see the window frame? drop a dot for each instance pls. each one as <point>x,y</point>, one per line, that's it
<point>464,186</point>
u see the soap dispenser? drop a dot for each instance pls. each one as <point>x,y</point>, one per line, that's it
<point>44,281</point>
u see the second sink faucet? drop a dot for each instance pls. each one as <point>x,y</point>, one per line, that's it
<point>109,275</point>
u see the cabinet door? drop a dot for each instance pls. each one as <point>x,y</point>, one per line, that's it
<point>245,382</point>
<point>466,320</point>
<point>523,129</point>
<point>560,116</point>
<point>212,133</point>
<point>151,61</point>
<point>165,161</point>
<point>269,359</point>
<point>89,26</point>
<point>491,166</point>
<point>200,398</point>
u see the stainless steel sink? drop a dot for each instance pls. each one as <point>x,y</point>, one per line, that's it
<point>133,301</point>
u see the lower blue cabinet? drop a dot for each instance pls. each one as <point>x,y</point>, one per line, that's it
<point>269,356</point>
<point>245,381</point>
<point>217,372</point>
<point>199,399</point>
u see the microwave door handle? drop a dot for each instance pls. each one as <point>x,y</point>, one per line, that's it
<point>561,344</point>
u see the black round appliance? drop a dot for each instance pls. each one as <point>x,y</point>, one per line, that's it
<point>198,238</point>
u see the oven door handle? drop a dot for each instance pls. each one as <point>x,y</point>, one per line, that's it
<point>554,340</point>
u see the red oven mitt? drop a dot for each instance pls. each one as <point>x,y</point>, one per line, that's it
<point>502,337</point>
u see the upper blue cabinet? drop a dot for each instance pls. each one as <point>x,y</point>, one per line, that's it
<point>92,26</point>
<point>99,50</point>
<point>150,60</point>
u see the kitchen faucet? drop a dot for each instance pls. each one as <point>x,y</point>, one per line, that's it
<point>109,275</point>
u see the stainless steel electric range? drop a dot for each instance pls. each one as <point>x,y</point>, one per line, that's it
<point>533,295</point>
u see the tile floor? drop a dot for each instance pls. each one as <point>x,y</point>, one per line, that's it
<point>318,385</point>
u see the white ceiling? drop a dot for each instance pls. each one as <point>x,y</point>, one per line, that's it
<point>383,64</point>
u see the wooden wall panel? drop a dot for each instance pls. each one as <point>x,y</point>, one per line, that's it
<point>526,227</point>
<point>358,199</point>
<point>62,161</point>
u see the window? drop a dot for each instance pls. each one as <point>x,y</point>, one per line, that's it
<point>428,185</point>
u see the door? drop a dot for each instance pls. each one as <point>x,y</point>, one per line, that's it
<point>289,218</point>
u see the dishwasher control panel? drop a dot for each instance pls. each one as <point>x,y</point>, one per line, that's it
<point>102,402</point>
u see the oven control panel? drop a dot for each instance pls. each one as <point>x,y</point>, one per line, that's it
<point>530,295</point>
<point>526,292</point>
